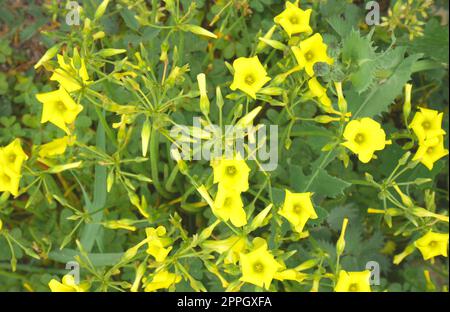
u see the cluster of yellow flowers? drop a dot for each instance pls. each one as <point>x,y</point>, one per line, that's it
<point>59,108</point>
<point>157,247</point>
<point>258,264</point>
<point>12,157</point>
<point>364,137</point>
<point>232,178</point>
<point>427,125</point>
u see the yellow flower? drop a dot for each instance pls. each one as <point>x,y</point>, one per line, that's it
<point>1,224</point>
<point>298,209</point>
<point>364,137</point>
<point>163,279</point>
<point>59,108</point>
<point>319,92</point>
<point>430,151</point>
<point>9,182</point>
<point>12,157</point>
<point>432,245</point>
<point>70,78</point>
<point>231,173</point>
<point>249,75</point>
<point>156,243</point>
<point>231,246</point>
<point>228,205</point>
<point>311,51</point>
<point>427,124</point>
<point>258,266</point>
<point>67,285</point>
<point>294,20</point>
<point>55,147</point>
<point>353,281</point>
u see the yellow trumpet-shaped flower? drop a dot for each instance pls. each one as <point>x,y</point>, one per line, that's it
<point>311,51</point>
<point>249,75</point>
<point>67,285</point>
<point>9,181</point>
<point>364,137</point>
<point>55,147</point>
<point>298,209</point>
<point>231,246</point>
<point>319,92</point>
<point>231,173</point>
<point>294,20</point>
<point>405,253</point>
<point>162,280</point>
<point>430,151</point>
<point>432,245</point>
<point>12,156</point>
<point>427,124</point>
<point>353,281</point>
<point>157,243</point>
<point>69,77</point>
<point>228,205</point>
<point>259,266</point>
<point>59,108</point>
<point>290,275</point>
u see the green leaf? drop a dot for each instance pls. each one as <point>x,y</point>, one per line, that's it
<point>319,182</point>
<point>97,259</point>
<point>378,99</point>
<point>357,49</point>
<point>129,18</point>
<point>344,23</point>
<point>434,42</point>
<point>359,52</point>
<point>337,215</point>
<point>90,231</point>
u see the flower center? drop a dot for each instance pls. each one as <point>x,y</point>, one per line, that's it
<point>430,150</point>
<point>5,179</point>
<point>426,125</point>
<point>432,244</point>
<point>309,56</point>
<point>227,202</point>
<point>61,107</point>
<point>297,208</point>
<point>359,138</point>
<point>12,158</point>
<point>249,79</point>
<point>353,287</point>
<point>258,267</point>
<point>231,170</point>
<point>294,19</point>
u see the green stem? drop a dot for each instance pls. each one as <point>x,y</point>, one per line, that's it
<point>154,159</point>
